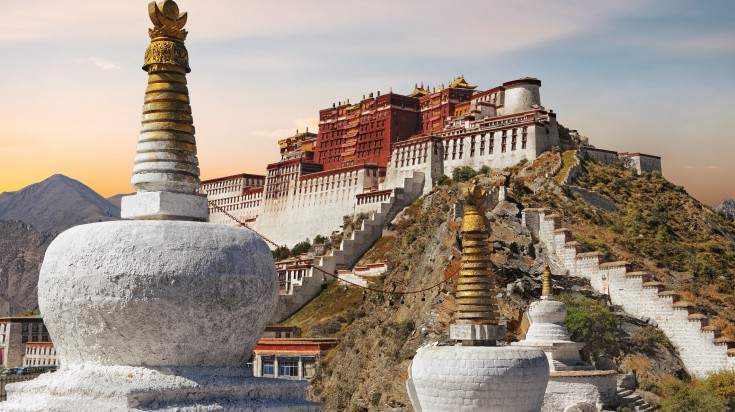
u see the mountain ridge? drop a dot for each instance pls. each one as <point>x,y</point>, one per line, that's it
<point>56,204</point>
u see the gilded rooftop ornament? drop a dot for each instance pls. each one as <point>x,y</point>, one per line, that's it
<point>475,287</point>
<point>167,35</point>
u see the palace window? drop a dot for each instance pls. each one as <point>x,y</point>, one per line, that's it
<point>268,366</point>
<point>524,138</point>
<point>491,145</point>
<point>472,146</point>
<point>503,141</point>
<point>513,140</point>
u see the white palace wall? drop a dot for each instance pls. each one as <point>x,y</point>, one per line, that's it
<point>315,205</point>
<point>424,156</point>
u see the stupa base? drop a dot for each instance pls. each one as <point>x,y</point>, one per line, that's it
<point>125,388</point>
<point>478,378</point>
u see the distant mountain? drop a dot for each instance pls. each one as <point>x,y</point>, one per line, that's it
<point>115,200</point>
<point>21,252</point>
<point>728,208</point>
<point>57,204</point>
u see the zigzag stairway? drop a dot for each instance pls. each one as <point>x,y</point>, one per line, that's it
<point>352,249</point>
<point>700,346</point>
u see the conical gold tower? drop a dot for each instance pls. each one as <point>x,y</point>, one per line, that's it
<point>476,290</point>
<point>166,155</point>
<point>166,169</point>
<point>547,288</point>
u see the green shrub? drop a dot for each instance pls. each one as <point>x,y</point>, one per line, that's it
<point>690,397</point>
<point>645,338</point>
<point>301,247</point>
<point>444,180</point>
<point>592,322</point>
<point>281,253</point>
<point>463,174</point>
<point>722,384</point>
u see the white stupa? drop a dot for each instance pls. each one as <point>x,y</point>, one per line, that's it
<point>158,313</point>
<point>573,384</point>
<point>548,333</point>
<point>477,375</point>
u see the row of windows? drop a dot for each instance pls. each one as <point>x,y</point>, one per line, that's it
<point>491,147</point>
<point>41,351</point>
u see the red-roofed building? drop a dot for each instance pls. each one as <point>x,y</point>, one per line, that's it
<point>289,358</point>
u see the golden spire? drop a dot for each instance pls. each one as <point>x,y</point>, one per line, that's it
<point>166,159</point>
<point>547,290</point>
<point>475,287</point>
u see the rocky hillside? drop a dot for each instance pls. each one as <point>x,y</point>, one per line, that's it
<point>652,223</point>
<point>21,252</point>
<point>56,204</point>
<point>644,219</point>
<point>727,208</point>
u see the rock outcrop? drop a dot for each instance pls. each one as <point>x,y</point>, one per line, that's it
<point>21,252</point>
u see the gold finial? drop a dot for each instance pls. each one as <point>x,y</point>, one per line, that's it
<point>167,36</point>
<point>166,20</point>
<point>475,287</point>
<point>547,289</point>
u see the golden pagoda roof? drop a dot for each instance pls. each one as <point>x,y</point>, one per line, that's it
<point>418,91</point>
<point>461,83</point>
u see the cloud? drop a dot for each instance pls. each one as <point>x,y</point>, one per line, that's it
<point>103,64</point>
<point>685,41</point>
<point>701,167</point>
<point>430,27</point>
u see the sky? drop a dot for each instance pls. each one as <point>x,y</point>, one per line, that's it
<point>650,76</point>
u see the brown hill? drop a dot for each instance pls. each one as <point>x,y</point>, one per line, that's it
<point>21,252</point>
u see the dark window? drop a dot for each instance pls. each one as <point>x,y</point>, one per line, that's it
<point>288,367</point>
<point>267,367</point>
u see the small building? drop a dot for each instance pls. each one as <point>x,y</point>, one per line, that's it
<point>289,358</point>
<point>40,354</point>
<point>15,332</point>
<point>292,271</point>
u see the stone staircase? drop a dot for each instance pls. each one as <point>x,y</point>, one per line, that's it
<point>350,250</point>
<point>700,346</point>
<point>632,400</point>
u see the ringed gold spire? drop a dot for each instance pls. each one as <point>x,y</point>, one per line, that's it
<point>166,168</point>
<point>476,289</point>
<point>547,288</point>
<point>166,155</point>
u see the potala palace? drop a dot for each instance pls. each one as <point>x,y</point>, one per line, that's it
<point>381,153</point>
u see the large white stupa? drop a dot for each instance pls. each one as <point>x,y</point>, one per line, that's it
<point>161,312</point>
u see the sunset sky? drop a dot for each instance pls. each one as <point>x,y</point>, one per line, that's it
<point>656,77</point>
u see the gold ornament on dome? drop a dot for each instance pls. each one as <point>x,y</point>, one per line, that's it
<point>167,36</point>
<point>166,20</point>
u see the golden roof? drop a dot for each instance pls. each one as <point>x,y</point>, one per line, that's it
<point>418,92</point>
<point>461,83</point>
